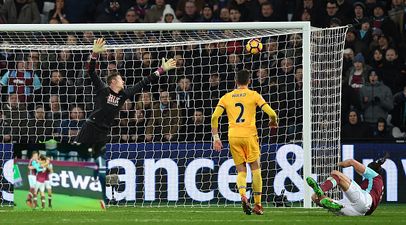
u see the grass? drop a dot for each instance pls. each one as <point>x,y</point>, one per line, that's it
<point>59,202</point>
<point>385,214</point>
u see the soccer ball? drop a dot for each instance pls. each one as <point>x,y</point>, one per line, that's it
<point>254,46</point>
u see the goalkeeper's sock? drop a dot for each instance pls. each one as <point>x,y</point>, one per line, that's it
<point>242,183</point>
<point>330,183</point>
<point>257,186</point>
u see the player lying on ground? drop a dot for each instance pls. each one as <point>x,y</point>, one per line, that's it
<point>361,199</point>
<point>240,105</point>
<point>109,99</point>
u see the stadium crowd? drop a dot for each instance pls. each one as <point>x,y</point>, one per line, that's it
<point>46,94</point>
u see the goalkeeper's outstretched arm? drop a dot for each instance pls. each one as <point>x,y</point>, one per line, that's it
<point>137,88</point>
<point>217,145</point>
<point>98,47</point>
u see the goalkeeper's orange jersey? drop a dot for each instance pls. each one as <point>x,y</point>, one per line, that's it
<point>240,106</point>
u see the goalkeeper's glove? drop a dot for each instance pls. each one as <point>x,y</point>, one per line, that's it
<point>168,65</point>
<point>98,45</point>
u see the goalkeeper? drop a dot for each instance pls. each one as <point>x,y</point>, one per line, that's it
<point>240,105</point>
<point>109,99</point>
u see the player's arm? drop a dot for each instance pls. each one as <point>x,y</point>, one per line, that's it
<point>268,110</point>
<point>273,122</point>
<point>137,88</point>
<point>98,47</point>
<point>358,167</point>
<point>37,166</point>
<point>217,145</point>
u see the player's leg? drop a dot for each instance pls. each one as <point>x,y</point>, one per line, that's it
<point>49,190</point>
<point>360,200</point>
<point>240,160</point>
<point>31,182</point>
<point>35,200</point>
<point>42,193</point>
<point>254,153</point>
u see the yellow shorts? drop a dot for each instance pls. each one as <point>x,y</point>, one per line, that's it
<point>244,149</point>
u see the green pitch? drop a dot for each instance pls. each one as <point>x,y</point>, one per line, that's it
<point>385,215</point>
<point>59,202</point>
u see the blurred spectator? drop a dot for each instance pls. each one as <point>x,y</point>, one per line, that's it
<point>58,13</point>
<point>165,120</point>
<point>308,10</point>
<point>212,92</point>
<point>267,13</point>
<point>376,99</point>
<point>235,15</point>
<point>381,21</point>
<point>56,85</point>
<point>399,113</point>
<point>154,14</point>
<point>39,128</point>
<point>141,7</point>
<point>382,131</point>
<point>359,14</point>
<point>110,12</point>
<point>5,129</point>
<point>364,34</point>
<point>397,14</point>
<point>348,60</point>
<point>55,112</point>
<point>145,103</point>
<point>70,127</point>
<point>20,11</point>
<point>354,128</point>
<point>137,127</point>
<point>377,60</point>
<point>207,14</point>
<point>82,11</point>
<point>181,6</point>
<point>21,81</point>
<point>356,76</point>
<point>196,129</point>
<point>190,13</point>
<point>224,15</point>
<point>168,15</point>
<point>131,16</point>
<point>185,97</point>
<point>332,11</point>
<point>15,114</point>
<point>249,10</point>
<point>393,72</point>
<point>351,41</point>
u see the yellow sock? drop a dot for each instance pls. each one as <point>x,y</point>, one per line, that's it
<point>257,185</point>
<point>242,183</point>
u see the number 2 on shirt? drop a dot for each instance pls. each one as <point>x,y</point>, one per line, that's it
<point>239,118</point>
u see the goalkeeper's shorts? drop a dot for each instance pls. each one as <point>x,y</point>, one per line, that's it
<point>244,149</point>
<point>91,134</point>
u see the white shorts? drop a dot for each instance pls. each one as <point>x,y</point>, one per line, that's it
<point>32,180</point>
<point>48,184</point>
<point>40,186</point>
<point>356,202</point>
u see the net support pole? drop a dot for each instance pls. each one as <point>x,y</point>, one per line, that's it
<point>307,118</point>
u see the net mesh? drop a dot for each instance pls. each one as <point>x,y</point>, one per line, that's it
<point>161,152</point>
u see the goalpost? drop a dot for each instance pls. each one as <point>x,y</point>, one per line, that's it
<point>183,171</point>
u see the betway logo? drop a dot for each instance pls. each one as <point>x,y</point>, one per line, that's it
<point>68,179</point>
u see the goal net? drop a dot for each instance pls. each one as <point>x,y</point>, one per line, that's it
<point>160,144</point>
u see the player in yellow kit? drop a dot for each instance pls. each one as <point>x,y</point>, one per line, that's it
<point>240,105</point>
